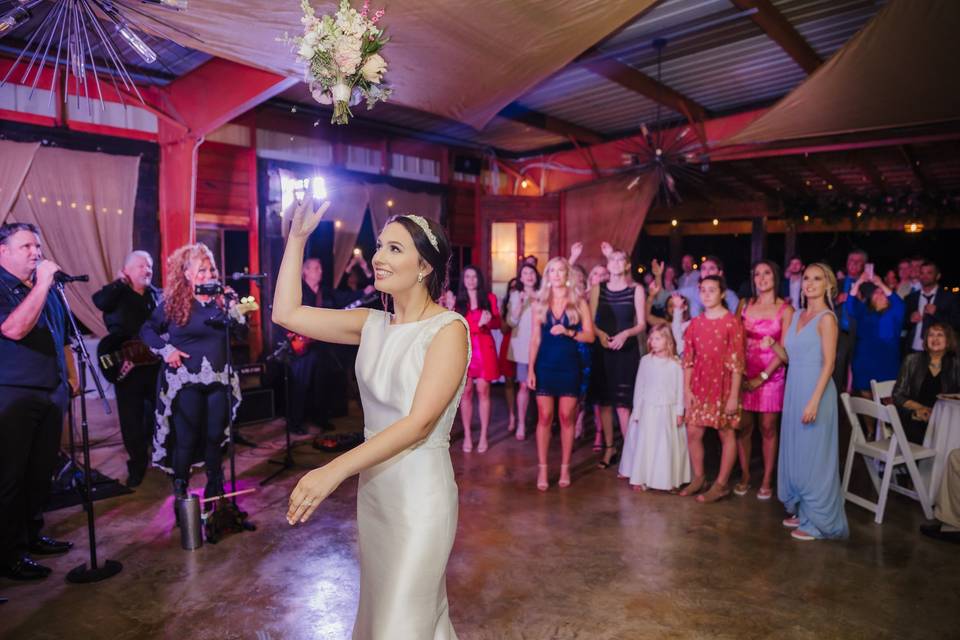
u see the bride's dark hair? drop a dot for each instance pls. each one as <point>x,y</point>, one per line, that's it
<point>438,258</point>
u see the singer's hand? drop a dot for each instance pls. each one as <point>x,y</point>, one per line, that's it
<point>174,358</point>
<point>305,220</point>
<point>45,272</point>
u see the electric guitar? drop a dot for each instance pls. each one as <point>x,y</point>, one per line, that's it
<point>114,350</point>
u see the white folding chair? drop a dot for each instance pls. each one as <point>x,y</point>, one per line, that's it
<point>892,451</point>
<point>882,391</point>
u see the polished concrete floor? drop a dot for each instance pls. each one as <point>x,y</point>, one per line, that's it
<point>594,561</point>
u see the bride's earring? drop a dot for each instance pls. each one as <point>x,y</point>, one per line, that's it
<point>420,277</point>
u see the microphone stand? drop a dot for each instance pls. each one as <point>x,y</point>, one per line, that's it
<point>282,353</point>
<point>95,572</point>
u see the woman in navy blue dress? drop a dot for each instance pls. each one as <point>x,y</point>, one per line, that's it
<point>561,319</point>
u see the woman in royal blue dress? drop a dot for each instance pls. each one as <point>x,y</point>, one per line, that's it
<point>561,319</point>
<point>809,479</point>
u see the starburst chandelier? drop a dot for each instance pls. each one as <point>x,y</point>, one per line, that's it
<point>69,36</point>
<point>671,155</point>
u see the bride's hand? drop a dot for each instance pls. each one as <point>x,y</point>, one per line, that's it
<point>305,220</point>
<point>313,488</point>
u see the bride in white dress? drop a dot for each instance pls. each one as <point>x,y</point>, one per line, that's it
<point>411,368</point>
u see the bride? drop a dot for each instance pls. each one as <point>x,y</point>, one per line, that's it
<point>411,368</point>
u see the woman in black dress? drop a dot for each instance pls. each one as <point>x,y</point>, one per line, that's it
<point>194,392</point>
<point>618,307</point>
<point>925,375</point>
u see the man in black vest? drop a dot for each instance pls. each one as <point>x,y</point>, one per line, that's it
<point>126,303</point>
<point>35,379</point>
<point>926,305</point>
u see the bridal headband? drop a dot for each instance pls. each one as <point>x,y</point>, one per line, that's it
<point>421,222</point>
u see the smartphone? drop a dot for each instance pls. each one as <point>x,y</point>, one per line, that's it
<point>868,270</point>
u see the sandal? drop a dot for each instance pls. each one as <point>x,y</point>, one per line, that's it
<point>564,476</point>
<point>717,492</point>
<point>542,483</point>
<point>791,522</point>
<point>764,494</point>
<point>742,488</point>
<point>695,487</point>
<point>798,534</point>
<point>611,461</point>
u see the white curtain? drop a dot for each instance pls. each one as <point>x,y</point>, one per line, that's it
<point>386,200</point>
<point>83,204</point>
<point>15,160</point>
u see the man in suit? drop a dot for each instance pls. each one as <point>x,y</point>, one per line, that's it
<point>856,263</point>
<point>792,282</point>
<point>925,306</point>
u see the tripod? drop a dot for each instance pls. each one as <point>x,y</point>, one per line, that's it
<point>282,354</point>
<point>95,572</point>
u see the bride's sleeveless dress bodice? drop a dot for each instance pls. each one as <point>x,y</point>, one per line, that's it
<point>406,506</point>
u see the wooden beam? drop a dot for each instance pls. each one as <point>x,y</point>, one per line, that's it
<point>870,172</point>
<point>745,178</point>
<point>781,225</point>
<point>789,182</point>
<point>779,29</point>
<point>636,80</point>
<point>833,183</point>
<point>549,123</point>
<point>918,173</point>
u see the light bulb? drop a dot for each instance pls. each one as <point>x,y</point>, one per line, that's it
<point>13,19</point>
<point>137,44</point>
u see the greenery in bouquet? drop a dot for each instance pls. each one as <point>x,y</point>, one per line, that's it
<point>342,56</point>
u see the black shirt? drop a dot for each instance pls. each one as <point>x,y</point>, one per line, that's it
<point>200,337</point>
<point>125,310</point>
<point>37,359</point>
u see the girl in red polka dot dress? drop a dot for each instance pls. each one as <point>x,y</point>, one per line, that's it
<point>713,364</point>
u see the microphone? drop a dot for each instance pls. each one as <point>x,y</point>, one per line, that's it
<point>236,275</point>
<point>65,278</point>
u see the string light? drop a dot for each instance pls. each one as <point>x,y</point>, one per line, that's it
<point>524,183</point>
<point>43,199</point>
<point>73,205</point>
<point>806,218</point>
<point>59,203</point>
<point>389,203</point>
<point>716,222</point>
<point>119,212</point>
<point>89,207</point>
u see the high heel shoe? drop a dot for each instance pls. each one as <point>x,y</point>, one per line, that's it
<point>611,461</point>
<point>542,483</point>
<point>564,476</point>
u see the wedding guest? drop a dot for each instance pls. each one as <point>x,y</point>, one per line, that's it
<point>878,317</point>
<point>905,278</point>
<point>479,307</point>
<point>507,367</point>
<point>676,311</point>
<point>689,278</point>
<point>808,481</point>
<point>891,280</point>
<point>561,320</point>
<point>598,275</point>
<point>669,279</point>
<point>711,266</point>
<point>655,449</point>
<point>792,281</point>
<point>765,315</point>
<point>519,317</point>
<point>713,373</point>
<point>926,305</point>
<point>618,308</point>
<point>856,263</point>
<point>923,376</point>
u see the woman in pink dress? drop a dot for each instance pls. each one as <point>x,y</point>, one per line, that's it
<point>479,307</point>
<point>765,318</point>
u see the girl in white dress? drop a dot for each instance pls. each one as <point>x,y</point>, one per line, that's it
<point>655,451</point>
<point>411,368</point>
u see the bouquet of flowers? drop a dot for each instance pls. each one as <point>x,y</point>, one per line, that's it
<point>342,54</point>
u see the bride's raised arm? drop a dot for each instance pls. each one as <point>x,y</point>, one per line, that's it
<point>327,325</point>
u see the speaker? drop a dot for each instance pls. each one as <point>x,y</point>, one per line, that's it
<point>256,405</point>
<point>467,164</point>
<point>251,375</point>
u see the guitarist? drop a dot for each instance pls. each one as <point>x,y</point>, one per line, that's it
<point>127,303</point>
<point>311,363</point>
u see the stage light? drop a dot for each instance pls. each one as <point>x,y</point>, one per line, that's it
<point>13,19</point>
<point>319,187</point>
<point>674,222</point>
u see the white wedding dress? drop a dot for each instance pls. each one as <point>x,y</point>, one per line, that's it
<point>406,506</point>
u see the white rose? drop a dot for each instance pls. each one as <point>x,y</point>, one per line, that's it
<point>306,50</point>
<point>374,68</point>
<point>346,55</point>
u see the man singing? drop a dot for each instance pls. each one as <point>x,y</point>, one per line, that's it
<point>127,303</point>
<point>34,377</point>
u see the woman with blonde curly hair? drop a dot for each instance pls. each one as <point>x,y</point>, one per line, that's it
<point>195,390</point>
<point>561,319</point>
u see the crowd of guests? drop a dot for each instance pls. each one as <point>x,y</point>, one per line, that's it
<point>681,353</point>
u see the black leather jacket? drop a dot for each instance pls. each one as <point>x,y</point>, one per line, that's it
<point>914,369</point>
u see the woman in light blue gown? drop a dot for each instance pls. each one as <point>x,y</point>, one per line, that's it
<point>808,480</point>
